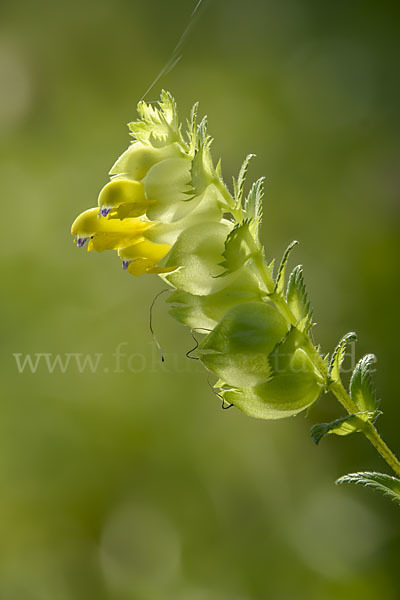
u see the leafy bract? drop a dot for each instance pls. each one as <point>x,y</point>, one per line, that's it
<point>192,129</point>
<point>361,388</point>
<point>202,170</point>
<point>338,356</point>
<point>385,484</point>
<point>158,125</point>
<point>236,252</point>
<point>253,207</point>
<point>280,279</point>
<point>238,185</point>
<point>344,426</point>
<point>237,349</point>
<point>296,296</point>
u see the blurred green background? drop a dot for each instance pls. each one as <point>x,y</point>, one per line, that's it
<point>135,485</point>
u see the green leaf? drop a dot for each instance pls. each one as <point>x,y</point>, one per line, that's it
<point>202,171</point>
<point>296,295</point>
<point>338,356</point>
<point>157,126</point>
<point>385,484</point>
<point>218,169</point>
<point>253,208</point>
<point>202,132</point>
<point>239,185</point>
<point>280,279</point>
<point>237,349</point>
<point>236,251</point>
<point>344,426</point>
<point>361,388</point>
<point>192,129</point>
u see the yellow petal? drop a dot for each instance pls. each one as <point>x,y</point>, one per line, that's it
<point>88,223</point>
<point>131,210</point>
<point>145,249</point>
<point>144,256</point>
<point>124,192</point>
<point>108,233</point>
<point>112,241</point>
<point>139,266</point>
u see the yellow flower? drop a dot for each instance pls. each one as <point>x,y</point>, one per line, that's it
<point>105,230</point>
<point>160,187</point>
<point>143,257</point>
<point>126,196</point>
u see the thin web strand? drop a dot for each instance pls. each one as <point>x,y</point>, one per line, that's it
<point>176,53</point>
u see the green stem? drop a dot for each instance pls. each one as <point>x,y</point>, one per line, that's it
<point>372,434</point>
<point>370,430</point>
<point>336,388</point>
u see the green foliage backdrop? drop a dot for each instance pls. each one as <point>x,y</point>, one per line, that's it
<point>130,483</point>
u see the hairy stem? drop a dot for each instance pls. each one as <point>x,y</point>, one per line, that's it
<point>372,434</point>
<point>370,430</point>
<point>336,388</point>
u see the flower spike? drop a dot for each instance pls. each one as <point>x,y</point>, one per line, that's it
<point>166,210</point>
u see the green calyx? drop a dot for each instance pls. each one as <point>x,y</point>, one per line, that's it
<point>238,349</point>
<point>292,382</point>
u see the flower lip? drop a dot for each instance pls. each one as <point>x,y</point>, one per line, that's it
<point>90,223</point>
<point>81,241</point>
<point>121,191</point>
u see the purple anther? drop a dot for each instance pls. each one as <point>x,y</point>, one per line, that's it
<point>105,211</point>
<point>80,242</point>
<point>125,264</point>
